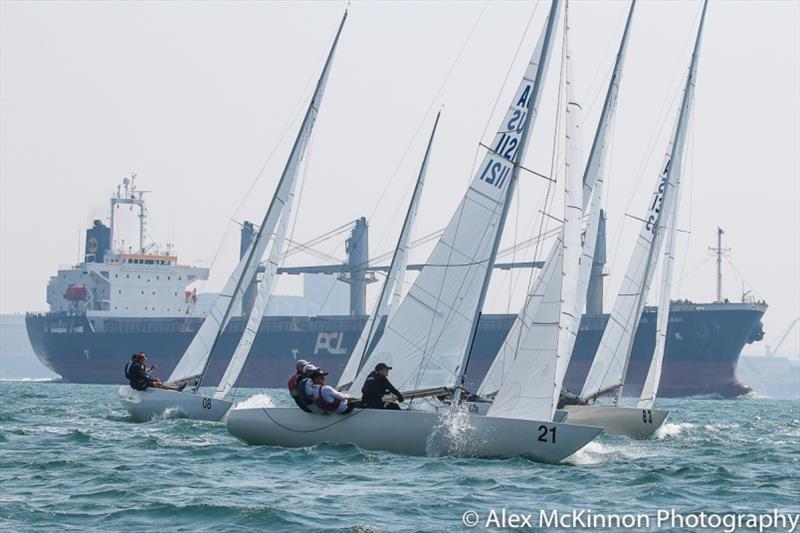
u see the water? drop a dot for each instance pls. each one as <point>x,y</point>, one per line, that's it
<point>71,459</point>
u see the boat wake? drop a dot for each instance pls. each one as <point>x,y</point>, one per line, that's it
<point>668,430</point>
<point>255,401</point>
<point>451,435</point>
<point>596,453</point>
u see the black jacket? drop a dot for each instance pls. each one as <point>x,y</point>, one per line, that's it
<point>138,376</point>
<point>376,386</point>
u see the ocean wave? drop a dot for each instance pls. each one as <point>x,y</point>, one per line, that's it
<point>29,380</point>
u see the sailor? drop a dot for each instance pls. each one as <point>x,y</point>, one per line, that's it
<point>294,383</point>
<point>305,388</point>
<point>139,375</point>
<point>376,386</point>
<point>326,398</point>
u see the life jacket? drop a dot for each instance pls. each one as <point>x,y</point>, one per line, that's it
<point>293,382</point>
<point>325,405</point>
<point>302,397</point>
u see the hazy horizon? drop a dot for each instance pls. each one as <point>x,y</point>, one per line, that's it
<point>194,97</point>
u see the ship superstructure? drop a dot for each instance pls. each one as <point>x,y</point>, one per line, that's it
<point>113,282</point>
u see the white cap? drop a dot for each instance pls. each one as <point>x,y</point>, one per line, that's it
<point>301,364</point>
<point>309,368</point>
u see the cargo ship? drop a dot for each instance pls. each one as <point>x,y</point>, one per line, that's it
<point>118,302</point>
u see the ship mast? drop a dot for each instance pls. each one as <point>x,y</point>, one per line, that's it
<point>130,197</point>
<point>720,251</point>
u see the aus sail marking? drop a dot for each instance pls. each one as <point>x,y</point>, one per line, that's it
<point>496,171</point>
<point>655,208</point>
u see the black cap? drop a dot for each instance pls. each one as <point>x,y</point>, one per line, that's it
<point>318,372</point>
<point>382,366</point>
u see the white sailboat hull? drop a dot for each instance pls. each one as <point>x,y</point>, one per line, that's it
<point>624,421</point>
<point>412,432</point>
<point>149,403</point>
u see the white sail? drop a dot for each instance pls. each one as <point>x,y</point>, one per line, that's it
<point>191,364</point>
<point>194,361</point>
<point>500,369</point>
<point>533,387</point>
<point>610,364</point>
<point>647,398</point>
<point>260,305</point>
<point>426,340</point>
<point>391,285</point>
<point>501,366</point>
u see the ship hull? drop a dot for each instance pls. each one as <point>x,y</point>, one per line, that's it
<point>703,347</point>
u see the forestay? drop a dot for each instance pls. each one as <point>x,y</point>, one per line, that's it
<point>426,339</point>
<point>533,386</point>
<point>609,367</point>
<point>392,285</point>
<point>595,167</point>
<point>194,361</point>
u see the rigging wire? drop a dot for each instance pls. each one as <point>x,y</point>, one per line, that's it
<point>656,134</point>
<point>425,116</point>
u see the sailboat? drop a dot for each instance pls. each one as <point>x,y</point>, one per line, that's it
<point>428,338</point>
<point>192,366</point>
<point>392,286</point>
<point>547,326</point>
<point>609,368</point>
<point>537,349</point>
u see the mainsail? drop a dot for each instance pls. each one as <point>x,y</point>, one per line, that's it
<point>391,287</point>
<point>194,362</point>
<point>260,305</point>
<point>501,366</point>
<point>650,389</point>
<point>647,398</point>
<point>534,384</point>
<point>427,339</point>
<point>610,364</point>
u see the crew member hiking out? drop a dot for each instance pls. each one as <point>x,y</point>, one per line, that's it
<point>295,382</point>
<point>376,386</point>
<point>139,375</point>
<point>326,398</point>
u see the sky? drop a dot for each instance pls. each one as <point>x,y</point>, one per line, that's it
<point>202,101</point>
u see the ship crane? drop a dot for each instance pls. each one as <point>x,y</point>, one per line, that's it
<point>772,351</point>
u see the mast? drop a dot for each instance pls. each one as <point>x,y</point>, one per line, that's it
<point>273,212</point>
<point>720,251</point>
<point>670,171</point>
<point>400,253</point>
<point>609,107</point>
<point>518,156</point>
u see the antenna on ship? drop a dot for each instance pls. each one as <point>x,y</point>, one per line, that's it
<point>720,251</point>
<point>133,197</point>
